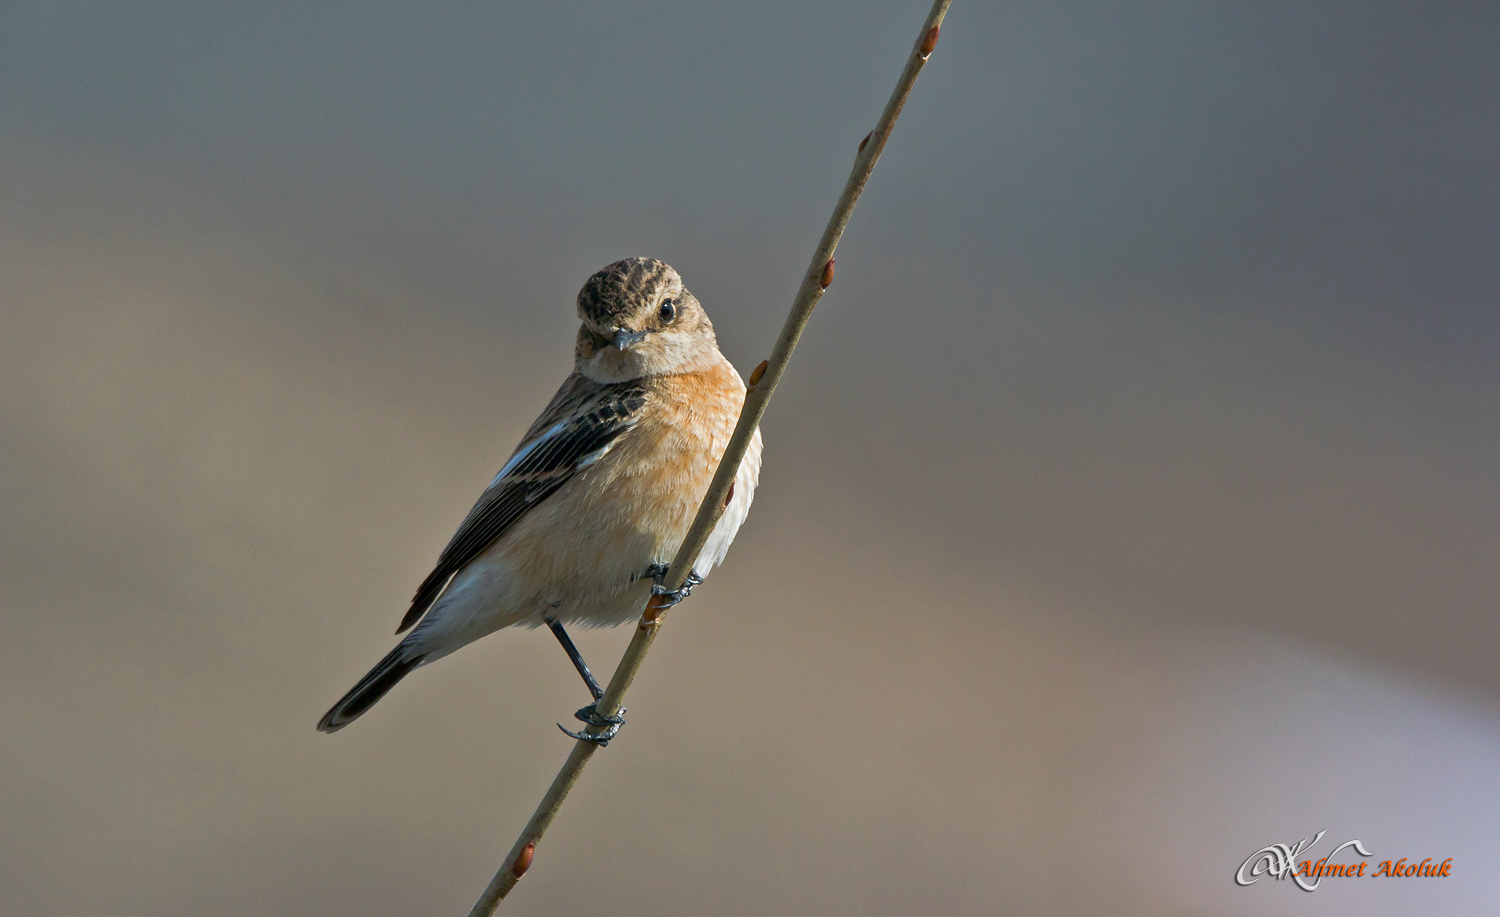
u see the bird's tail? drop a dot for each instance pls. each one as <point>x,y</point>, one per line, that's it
<point>370,689</point>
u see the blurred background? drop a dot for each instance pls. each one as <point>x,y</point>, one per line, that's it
<point>1132,504</point>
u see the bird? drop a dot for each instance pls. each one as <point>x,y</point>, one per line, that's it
<point>581,522</point>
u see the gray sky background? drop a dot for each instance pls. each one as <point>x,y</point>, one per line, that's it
<point>1132,502</point>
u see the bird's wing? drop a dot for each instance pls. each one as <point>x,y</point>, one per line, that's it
<point>575,431</point>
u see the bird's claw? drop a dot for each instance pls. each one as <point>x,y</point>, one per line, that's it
<point>670,597</point>
<point>590,715</point>
<point>655,572</point>
<point>593,717</point>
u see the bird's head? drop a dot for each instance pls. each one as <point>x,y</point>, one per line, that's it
<point>639,320</point>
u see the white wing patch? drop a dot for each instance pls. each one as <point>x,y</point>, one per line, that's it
<point>530,447</point>
<point>595,456</point>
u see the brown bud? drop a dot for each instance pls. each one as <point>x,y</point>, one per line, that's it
<point>758,373</point>
<point>827,277</point>
<point>863,142</point>
<point>654,610</point>
<point>929,42</point>
<point>727,497</point>
<point>523,862</point>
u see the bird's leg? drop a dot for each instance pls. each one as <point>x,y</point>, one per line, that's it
<point>654,572</point>
<point>589,714</point>
<point>575,657</point>
<point>669,597</point>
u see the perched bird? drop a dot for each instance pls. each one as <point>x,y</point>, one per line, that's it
<point>594,503</point>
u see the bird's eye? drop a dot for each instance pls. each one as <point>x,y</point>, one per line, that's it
<point>667,312</point>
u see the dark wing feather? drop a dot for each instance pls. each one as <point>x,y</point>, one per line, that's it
<point>584,417</point>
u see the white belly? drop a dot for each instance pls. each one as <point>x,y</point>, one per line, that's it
<point>581,555</point>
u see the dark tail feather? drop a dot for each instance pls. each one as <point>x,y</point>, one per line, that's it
<point>370,689</point>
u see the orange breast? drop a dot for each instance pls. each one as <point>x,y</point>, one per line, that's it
<point>632,507</point>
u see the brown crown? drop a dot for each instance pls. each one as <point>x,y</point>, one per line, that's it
<point>624,288</point>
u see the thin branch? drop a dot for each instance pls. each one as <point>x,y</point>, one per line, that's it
<point>763,383</point>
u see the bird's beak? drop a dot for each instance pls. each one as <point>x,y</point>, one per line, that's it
<point>625,338</point>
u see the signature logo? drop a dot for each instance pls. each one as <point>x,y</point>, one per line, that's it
<point>1279,861</point>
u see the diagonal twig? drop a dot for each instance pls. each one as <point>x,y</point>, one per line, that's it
<point>763,383</point>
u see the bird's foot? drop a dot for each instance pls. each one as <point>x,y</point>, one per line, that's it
<point>590,715</point>
<point>654,572</point>
<point>669,597</point>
